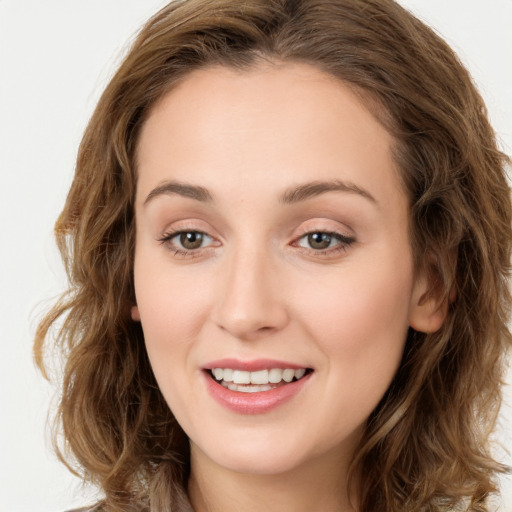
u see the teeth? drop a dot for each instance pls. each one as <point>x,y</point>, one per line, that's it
<point>228,374</point>
<point>259,379</point>
<point>246,389</point>
<point>275,375</point>
<point>300,373</point>
<point>241,377</point>
<point>288,375</point>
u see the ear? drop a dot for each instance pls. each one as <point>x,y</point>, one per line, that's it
<point>135,313</point>
<point>430,302</point>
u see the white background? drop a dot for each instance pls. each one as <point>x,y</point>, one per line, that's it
<point>55,58</point>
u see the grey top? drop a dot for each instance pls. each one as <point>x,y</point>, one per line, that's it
<point>182,505</point>
<point>84,509</point>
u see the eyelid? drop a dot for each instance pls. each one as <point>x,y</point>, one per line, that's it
<point>188,226</point>
<point>344,242</point>
<point>333,234</point>
<point>345,237</point>
<point>310,227</point>
<point>325,225</point>
<point>169,235</point>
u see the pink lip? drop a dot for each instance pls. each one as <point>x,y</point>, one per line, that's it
<point>251,366</point>
<point>253,403</point>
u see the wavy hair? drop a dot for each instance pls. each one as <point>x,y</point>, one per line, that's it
<point>426,446</point>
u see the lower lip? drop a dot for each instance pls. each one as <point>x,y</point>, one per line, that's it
<point>254,403</point>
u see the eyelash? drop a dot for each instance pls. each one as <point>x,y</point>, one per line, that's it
<point>166,239</point>
<point>344,243</point>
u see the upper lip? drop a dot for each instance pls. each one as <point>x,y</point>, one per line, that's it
<point>253,365</point>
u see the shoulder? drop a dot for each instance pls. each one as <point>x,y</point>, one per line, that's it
<point>94,508</point>
<point>99,507</point>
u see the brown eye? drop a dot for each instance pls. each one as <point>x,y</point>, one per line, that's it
<point>191,240</point>
<point>184,242</point>
<point>324,241</point>
<point>319,240</point>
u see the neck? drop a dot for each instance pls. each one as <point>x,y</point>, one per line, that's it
<point>319,485</point>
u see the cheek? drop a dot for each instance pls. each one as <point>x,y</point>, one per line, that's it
<point>169,312</point>
<point>360,323</point>
<point>169,301</point>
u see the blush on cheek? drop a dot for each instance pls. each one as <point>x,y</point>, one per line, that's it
<point>363,329</point>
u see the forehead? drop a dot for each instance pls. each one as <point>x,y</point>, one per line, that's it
<point>296,88</point>
<point>289,121</point>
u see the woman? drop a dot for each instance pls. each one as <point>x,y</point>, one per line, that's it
<point>288,241</point>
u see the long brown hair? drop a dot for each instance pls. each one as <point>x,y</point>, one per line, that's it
<point>426,446</point>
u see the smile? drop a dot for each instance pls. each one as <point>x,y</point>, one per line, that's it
<point>258,381</point>
<point>257,391</point>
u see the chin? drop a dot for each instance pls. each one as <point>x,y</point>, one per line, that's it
<point>250,452</point>
<point>260,464</point>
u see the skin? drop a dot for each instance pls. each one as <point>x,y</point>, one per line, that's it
<point>256,288</point>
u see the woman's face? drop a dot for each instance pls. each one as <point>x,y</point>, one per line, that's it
<point>272,244</point>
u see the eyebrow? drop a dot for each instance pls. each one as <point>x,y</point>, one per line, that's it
<point>316,188</point>
<point>181,189</point>
<point>293,195</point>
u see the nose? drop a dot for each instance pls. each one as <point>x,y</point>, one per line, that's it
<point>252,303</point>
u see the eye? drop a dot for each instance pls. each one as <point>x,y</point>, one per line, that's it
<point>184,242</point>
<point>191,240</point>
<point>324,242</point>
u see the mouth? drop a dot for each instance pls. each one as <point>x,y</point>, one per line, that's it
<point>257,386</point>
<point>256,381</point>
